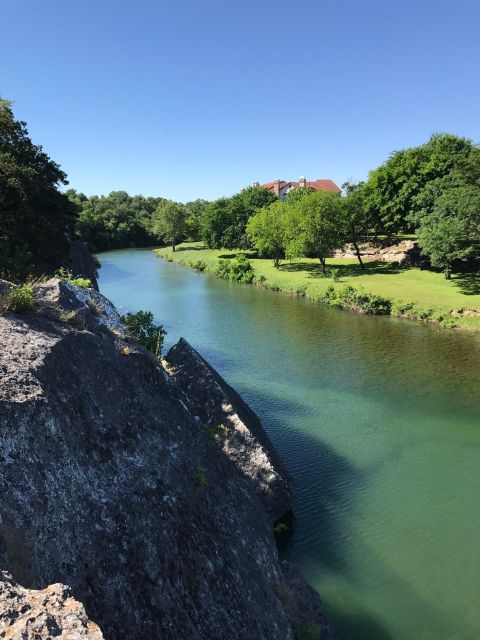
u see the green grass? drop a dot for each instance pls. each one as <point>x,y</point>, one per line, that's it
<point>426,289</point>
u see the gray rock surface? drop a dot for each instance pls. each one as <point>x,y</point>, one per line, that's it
<point>26,614</point>
<point>241,435</point>
<point>110,485</point>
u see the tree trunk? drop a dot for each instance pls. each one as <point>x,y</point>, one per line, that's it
<point>173,246</point>
<point>357,250</point>
<point>322,262</point>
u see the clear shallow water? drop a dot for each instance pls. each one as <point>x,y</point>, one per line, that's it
<point>377,419</point>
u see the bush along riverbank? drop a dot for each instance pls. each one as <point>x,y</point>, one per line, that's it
<point>384,289</point>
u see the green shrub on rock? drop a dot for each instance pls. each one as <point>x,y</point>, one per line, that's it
<point>142,329</point>
<point>21,299</point>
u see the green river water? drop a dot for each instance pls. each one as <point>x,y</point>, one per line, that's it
<point>378,421</point>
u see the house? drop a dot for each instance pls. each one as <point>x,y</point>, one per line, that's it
<point>280,188</point>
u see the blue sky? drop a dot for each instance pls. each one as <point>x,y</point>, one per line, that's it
<point>189,99</point>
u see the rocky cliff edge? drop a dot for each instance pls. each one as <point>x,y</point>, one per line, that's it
<point>149,490</point>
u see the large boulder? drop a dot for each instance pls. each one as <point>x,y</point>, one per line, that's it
<point>111,485</point>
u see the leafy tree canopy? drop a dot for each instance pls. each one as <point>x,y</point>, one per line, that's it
<point>225,220</point>
<point>401,189</point>
<point>316,226</point>
<point>36,219</point>
<point>267,229</point>
<point>451,231</point>
<point>169,222</point>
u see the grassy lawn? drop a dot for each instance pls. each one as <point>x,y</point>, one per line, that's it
<point>424,288</point>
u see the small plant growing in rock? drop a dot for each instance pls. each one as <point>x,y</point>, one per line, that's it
<point>142,329</point>
<point>126,351</point>
<point>200,477</point>
<point>216,431</point>
<point>65,316</point>
<point>280,528</point>
<point>67,276</point>
<point>20,299</point>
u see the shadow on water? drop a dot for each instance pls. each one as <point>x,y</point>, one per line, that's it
<point>468,283</point>
<point>359,625</point>
<point>344,270</point>
<point>114,272</point>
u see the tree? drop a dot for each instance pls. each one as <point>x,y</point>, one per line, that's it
<point>393,193</point>
<point>451,232</point>
<point>225,220</point>
<point>194,218</point>
<point>115,221</point>
<point>36,219</point>
<point>357,217</point>
<point>315,226</point>
<point>294,195</point>
<point>267,229</point>
<point>169,222</point>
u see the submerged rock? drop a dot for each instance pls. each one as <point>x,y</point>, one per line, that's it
<point>111,484</point>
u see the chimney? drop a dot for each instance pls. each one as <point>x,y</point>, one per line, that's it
<point>302,182</point>
<point>276,187</point>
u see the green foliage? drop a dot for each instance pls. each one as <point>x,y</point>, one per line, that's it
<point>198,265</point>
<point>142,329</point>
<point>194,218</point>
<point>405,187</point>
<point>239,269</point>
<point>451,232</point>
<point>217,431</point>
<point>169,222</point>
<point>16,262</point>
<point>267,230</point>
<point>280,528</point>
<point>334,274</point>
<point>21,299</point>
<point>115,221</point>
<point>315,226</point>
<point>65,274</point>
<point>200,477</point>
<point>350,298</point>
<point>36,218</point>
<point>225,220</point>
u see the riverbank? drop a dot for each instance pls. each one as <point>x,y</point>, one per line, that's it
<point>408,292</point>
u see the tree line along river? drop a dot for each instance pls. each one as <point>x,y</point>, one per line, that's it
<point>378,421</point>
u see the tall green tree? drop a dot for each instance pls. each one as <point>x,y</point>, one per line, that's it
<point>394,193</point>
<point>357,217</point>
<point>315,226</point>
<point>36,219</point>
<point>169,222</point>
<point>225,220</point>
<point>195,211</point>
<point>451,231</point>
<point>267,229</point>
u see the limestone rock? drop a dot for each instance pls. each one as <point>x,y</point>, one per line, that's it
<point>52,612</point>
<point>109,484</point>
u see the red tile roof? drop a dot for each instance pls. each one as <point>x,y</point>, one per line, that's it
<point>317,185</point>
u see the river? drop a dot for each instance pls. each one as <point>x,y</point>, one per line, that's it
<point>378,421</point>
